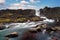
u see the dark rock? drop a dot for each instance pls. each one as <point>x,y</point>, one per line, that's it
<point>8,13</point>
<point>12,35</point>
<point>54,38</point>
<point>29,36</point>
<point>2,27</point>
<point>51,13</point>
<point>39,30</point>
<point>36,29</point>
<point>33,31</point>
<point>50,29</point>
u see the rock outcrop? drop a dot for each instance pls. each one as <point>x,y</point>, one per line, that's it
<point>19,15</point>
<point>52,13</point>
<point>29,36</point>
<point>12,35</point>
<point>2,27</point>
<point>41,27</point>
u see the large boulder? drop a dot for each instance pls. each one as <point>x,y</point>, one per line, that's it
<point>29,36</point>
<point>2,26</point>
<point>12,35</point>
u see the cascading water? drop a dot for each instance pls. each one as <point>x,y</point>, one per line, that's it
<point>44,21</point>
<point>24,25</point>
<point>18,27</point>
<point>29,24</point>
<point>44,31</point>
<point>37,13</point>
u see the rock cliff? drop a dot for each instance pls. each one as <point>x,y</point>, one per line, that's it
<point>52,13</point>
<point>19,15</point>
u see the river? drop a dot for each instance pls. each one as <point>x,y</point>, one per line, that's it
<point>21,28</point>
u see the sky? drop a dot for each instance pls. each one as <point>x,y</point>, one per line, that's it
<point>28,4</point>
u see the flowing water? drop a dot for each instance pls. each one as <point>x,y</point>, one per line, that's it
<point>17,27</point>
<point>23,27</point>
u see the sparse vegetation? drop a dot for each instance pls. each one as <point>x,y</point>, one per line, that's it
<point>18,15</point>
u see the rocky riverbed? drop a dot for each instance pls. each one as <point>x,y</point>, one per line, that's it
<point>29,31</point>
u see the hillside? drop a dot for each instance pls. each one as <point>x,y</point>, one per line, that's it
<point>19,15</point>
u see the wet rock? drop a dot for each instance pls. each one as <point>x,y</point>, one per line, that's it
<point>35,29</point>
<point>58,28</point>
<point>29,36</point>
<point>54,38</point>
<point>2,27</point>
<point>41,27</point>
<point>50,30</point>
<point>12,35</point>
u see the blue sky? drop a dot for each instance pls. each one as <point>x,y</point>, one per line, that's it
<point>24,4</point>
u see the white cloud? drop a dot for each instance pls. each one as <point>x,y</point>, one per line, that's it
<point>24,2</point>
<point>22,5</point>
<point>2,5</point>
<point>16,6</point>
<point>31,7</point>
<point>2,1</point>
<point>34,1</point>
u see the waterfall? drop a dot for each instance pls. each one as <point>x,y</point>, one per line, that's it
<point>46,19</point>
<point>43,32</point>
<point>37,12</point>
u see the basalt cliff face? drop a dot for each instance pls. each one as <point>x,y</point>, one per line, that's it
<point>19,15</point>
<point>52,13</point>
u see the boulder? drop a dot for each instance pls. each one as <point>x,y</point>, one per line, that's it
<point>29,36</point>
<point>12,35</point>
<point>2,27</point>
<point>36,29</point>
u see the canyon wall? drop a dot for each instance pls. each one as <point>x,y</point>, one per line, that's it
<point>19,15</point>
<point>52,13</point>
